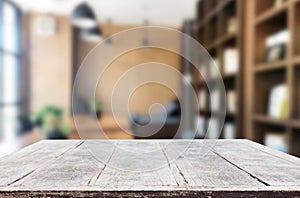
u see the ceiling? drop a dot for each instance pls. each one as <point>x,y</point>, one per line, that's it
<point>127,12</point>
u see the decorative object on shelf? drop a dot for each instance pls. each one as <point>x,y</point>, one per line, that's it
<point>93,35</point>
<point>278,102</point>
<point>215,100</point>
<point>278,3</point>
<point>213,129</point>
<point>45,25</point>
<point>231,60</point>
<point>50,119</point>
<point>276,46</point>
<point>213,70</point>
<point>84,17</point>
<point>231,101</point>
<point>232,25</point>
<point>275,53</point>
<point>229,131</point>
<point>97,107</point>
<point>202,97</point>
<point>276,140</point>
<point>200,126</point>
<point>203,70</point>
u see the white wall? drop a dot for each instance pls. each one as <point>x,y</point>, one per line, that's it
<point>126,12</point>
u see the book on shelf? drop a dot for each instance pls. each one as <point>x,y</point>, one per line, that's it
<point>214,68</point>
<point>215,102</point>
<point>276,141</point>
<point>213,131</point>
<point>229,131</point>
<point>231,60</point>
<point>280,37</point>
<point>202,97</point>
<point>203,70</point>
<point>276,46</point>
<point>200,126</point>
<point>232,25</point>
<point>278,3</point>
<point>278,102</point>
<point>231,101</point>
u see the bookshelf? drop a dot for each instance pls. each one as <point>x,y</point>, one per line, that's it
<point>263,19</point>
<point>212,32</point>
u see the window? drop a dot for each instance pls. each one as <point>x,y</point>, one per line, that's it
<point>10,62</point>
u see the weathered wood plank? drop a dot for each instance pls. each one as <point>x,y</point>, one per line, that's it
<point>275,153</point>
<point>137,165</point>
<point>76,168</point>
<point>20,165</point>
<point>149,168</point>
<point>202,168</point>
<point>270,168</point>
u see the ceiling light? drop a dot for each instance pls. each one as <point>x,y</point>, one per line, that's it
<point>83,16</point>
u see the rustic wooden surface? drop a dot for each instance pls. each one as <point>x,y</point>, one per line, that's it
<point>231,168</point>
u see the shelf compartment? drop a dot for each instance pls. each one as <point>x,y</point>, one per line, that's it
<point>266,67</point>
<point>230,84</point>
<point>229,11</point>
<point>227,38</point>
<point>296,93</point>
<point>212,31</point>
<point>229,73</point>
<point>265,29</point>
<point>229,76</point>
<point>261,129</point>
<point>266,8</point>
<point>264,82</point>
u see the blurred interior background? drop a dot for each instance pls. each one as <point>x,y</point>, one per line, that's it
<point>255,44</point>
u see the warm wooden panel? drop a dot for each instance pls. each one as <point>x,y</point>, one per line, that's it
<point>50,62</point>
<point>94,168</point>
<point>143,97</point>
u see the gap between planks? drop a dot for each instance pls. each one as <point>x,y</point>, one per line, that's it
<point>250,174</point>
<point>56,157</point>
<point>93,179</point>
<point>186,183</point>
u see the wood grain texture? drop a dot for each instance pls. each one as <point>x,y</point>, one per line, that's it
<point>160,168</point>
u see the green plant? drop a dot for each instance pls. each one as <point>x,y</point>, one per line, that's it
<point>50,119</point>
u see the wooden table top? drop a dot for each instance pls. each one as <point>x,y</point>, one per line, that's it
<point>87,168</point>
